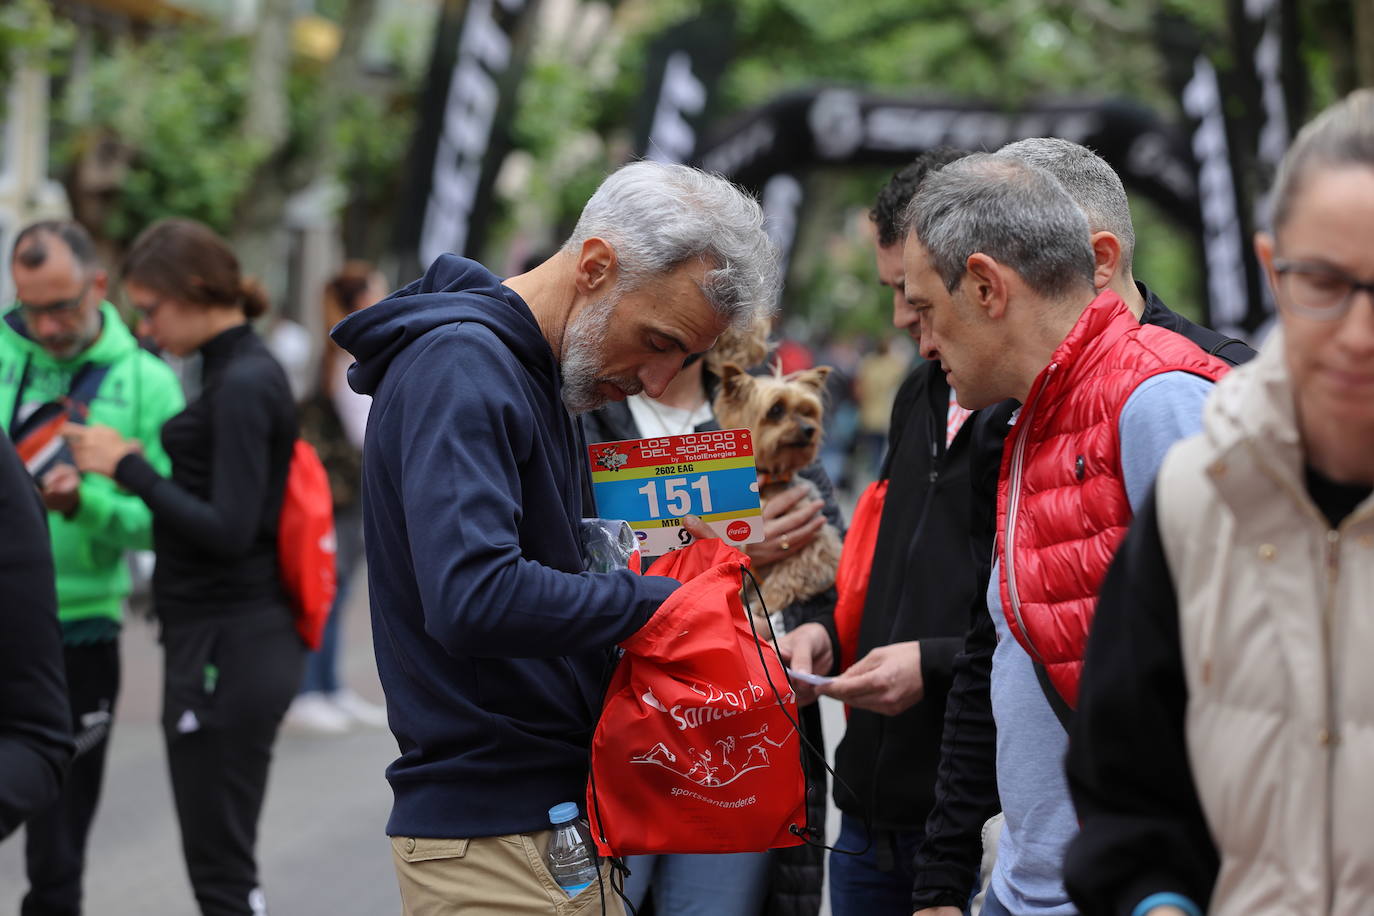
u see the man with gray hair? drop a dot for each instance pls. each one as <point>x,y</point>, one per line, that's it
<point>967,794</point>
<point>1000,267</point>
<point>492,642</point>
<point>1096,187</point>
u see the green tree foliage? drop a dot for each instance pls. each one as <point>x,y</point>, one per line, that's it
<point>563,122</point>
<point>1009,51</point>
<point>176,101</point>
<point>28,31</point>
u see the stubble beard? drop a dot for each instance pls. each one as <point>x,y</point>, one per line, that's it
<point>583,362</point>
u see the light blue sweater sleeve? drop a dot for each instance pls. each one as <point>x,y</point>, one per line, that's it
<point>1162,410</point>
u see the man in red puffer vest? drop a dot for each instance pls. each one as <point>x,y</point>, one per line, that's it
<point>1000,267</point>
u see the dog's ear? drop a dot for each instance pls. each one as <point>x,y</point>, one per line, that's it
<point>813,378</point>
<point>733,380</point>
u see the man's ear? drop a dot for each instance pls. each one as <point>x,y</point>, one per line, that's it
<point>1264,250</point>
<point>1106,258</point>
<point>596,267</point>
<point>987,284</point>
<point>733,380</point>
<point>100,284</point>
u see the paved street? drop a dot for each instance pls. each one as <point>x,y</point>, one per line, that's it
<point>322,849</point>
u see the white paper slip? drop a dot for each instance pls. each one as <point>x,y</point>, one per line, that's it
<point>806,677</point>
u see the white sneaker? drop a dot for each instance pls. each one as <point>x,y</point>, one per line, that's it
<point>358,710</point>
<point>313,712</point>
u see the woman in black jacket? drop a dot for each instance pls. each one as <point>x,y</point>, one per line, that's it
<point>233,659</point>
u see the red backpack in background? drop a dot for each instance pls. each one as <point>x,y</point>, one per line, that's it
<point>305,543</point>
<point>696,749</point>
<point>856,569</point>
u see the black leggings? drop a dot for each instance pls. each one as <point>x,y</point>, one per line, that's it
<point>227,684</point>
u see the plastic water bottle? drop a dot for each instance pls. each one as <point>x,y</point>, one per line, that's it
<point>571,859</point>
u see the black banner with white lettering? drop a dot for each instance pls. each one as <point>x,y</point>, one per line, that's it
<point>479,57</point>
<point>1243,97</point>
<point>764,149</point>
<point>684,65</point>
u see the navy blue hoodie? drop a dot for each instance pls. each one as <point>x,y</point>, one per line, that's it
<point>492,644</point>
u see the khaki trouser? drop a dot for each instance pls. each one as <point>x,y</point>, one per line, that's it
<point>498,874</point>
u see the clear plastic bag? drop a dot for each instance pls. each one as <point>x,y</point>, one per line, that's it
<point>609,544</point>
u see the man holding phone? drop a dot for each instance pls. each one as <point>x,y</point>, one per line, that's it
<point>65,354</point>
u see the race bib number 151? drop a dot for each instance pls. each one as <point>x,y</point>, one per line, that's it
<point>653,483</point>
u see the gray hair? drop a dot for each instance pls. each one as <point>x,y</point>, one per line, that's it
<point>1017,214</point>
<point>1091,182</point>
<point>658,216</point>
<point>1341,136</point>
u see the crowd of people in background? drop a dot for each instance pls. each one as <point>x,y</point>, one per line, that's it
<point>123,462</point>
<point>1104,654</point>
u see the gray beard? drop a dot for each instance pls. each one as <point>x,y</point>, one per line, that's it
<point>583,362</point>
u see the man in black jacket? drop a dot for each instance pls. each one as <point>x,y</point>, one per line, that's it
<point>923,578</point>
<point>35,723</point>
<point>946,865</point>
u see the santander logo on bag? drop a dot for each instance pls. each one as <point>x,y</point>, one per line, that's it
<point>696,750</point>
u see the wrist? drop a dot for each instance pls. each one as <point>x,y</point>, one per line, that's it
<point>1166,904</point>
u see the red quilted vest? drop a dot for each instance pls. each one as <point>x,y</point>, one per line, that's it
<point>1062,508</point>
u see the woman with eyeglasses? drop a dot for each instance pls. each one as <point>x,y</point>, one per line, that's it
<point>1220,758</point>
<point>232,656</point>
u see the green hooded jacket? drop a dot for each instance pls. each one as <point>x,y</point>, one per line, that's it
<point>138,394</point>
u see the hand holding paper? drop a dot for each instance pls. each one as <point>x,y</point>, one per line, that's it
<point>807,650</point>
<point>887,680</point>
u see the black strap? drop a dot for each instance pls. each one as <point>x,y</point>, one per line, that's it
<point>85,385</point>
<point>82,391</point>
<point>1062,710</point>
<point>71,407</point>
<point>1223,344</point>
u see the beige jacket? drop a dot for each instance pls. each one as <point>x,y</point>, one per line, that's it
<point>1276,616</point>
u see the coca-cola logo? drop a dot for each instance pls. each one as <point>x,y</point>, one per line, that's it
<point>738,530</point>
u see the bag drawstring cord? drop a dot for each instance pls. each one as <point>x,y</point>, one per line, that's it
<point>807,832</point>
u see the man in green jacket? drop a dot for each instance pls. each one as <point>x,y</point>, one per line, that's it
<point>65,353</point>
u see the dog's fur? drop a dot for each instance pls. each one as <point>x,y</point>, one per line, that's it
<point>784,414</point>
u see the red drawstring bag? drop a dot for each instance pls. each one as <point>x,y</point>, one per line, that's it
<point>693,752</point>
<point>856,568</point>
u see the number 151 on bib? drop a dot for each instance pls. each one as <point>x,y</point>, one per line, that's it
<point>653,483</point>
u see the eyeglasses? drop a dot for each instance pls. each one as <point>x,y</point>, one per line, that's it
<point>1318,291</point>
<point>146,312</point>
<point>57,310</point>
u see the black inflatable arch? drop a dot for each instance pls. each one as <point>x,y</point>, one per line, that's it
<point>837,127</point>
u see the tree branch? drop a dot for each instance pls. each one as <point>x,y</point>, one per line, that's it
<point>265,116</point>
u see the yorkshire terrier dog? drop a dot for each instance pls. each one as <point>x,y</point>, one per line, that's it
<point>784,414</point>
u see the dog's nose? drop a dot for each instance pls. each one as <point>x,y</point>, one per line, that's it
<point>808,431</point>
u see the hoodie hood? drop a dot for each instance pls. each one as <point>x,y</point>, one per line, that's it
<point>453,290</point>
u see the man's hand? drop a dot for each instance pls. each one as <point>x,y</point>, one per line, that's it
<point>789,519</point>
<point>62,490</point>
<point>886,681</point>
<point>97,449</point>
<point>1165,911</point>
<point>697,528</point>
<point>940,911</point>
<point>807,649</point>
